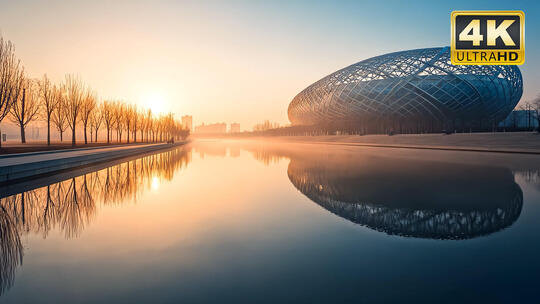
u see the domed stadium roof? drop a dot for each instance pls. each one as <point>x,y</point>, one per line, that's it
<point>410,85</point>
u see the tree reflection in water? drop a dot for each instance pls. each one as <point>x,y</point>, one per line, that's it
<point>70,205</point>
<point>11,250</point>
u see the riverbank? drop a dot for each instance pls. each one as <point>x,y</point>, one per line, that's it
<point>514,142</point>
<point>38,146</point>
<point>24,166</point>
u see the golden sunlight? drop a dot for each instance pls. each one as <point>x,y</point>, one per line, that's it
<point>155,102</point>
<point>155,183</point>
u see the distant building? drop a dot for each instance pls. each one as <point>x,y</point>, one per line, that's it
<point>187,122</point>
<point>235,128</point>
<point>520,119</point>
<point>214,128</point>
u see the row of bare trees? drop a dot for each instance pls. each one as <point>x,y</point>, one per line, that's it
<point>73,105</point>
<point>266,125</point>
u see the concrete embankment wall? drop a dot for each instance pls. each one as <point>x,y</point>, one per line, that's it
<point>29,170</point>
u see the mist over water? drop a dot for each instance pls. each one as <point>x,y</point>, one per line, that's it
<point>266,222</point>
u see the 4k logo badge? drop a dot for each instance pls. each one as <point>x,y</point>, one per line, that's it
<point>488,37</point>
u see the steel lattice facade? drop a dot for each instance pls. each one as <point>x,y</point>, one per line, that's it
<point>410,87</point>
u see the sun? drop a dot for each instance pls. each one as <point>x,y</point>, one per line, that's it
<point>155,102</point>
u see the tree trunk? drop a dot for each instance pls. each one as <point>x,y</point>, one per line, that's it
<point>49,131</point>
<point>108,136</point>
<point>96,134</point>
<point>85,140</point>
<point>73,135</point>
<point>21,121</point>
<point>61,136</point>
<point>23,137</point>
<point>127,136</point>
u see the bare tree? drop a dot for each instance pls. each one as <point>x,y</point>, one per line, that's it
<point>107,111</point>
<point>119,121</point>
<point>129,111</point>
<point>96,119</point>
<point>26,109</point>
<point>156,125</point>
<point>148,123</point>
<point>59,118</point>
<point>535,107</point>
<point>74,100</point>
<point>11,78</point>
<point>169,126</point>
<point>159,127</point>
<point>88,106</point>
<point>142,124</point>
<point>136,122</point>
<point>49,102</point>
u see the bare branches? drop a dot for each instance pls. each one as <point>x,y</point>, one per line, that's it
<point>95,120</point>
<point>74,91</point>
<point>49,103</point>
<point>88,106</point>
<point>59,117</point>
<point>107,111</point>
<point>119,119</point>
<point>11,77</point>
<point>535,106</point>
<point>48,98</point>
<point>27,107</point>
<point>129,113</point>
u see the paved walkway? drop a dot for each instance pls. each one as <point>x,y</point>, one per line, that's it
<point>26,158</point>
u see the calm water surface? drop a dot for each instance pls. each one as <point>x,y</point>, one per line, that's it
<point>254,222</point>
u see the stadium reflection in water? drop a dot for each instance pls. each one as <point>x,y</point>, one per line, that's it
<point>70,205</point>
<point>425,200</point>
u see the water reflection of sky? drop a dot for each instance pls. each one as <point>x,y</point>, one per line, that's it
<point>256,222</point>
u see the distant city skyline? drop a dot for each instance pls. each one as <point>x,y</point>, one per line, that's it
<point>228,61</point>
<point>38,129</point>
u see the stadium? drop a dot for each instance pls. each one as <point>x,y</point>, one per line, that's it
<point>413,91</point>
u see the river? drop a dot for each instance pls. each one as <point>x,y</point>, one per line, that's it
<point>224,221</point>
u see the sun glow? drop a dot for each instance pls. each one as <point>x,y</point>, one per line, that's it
<point>154,102</point>
<point>155,183</point>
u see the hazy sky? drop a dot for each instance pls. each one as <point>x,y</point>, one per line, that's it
<point>231,61</point>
